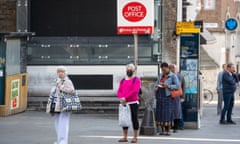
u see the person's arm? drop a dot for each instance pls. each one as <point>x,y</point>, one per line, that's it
<point>67,86</point>
<point>218,81</point>
<point>183,87</point>
<point>175,84</point>
<point>157,83</point>
<point>228,79</point>
<point>119,93</point>
<point>236,77</point>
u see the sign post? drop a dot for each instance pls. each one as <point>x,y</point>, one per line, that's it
<point>135,49</point>
<point>135,17</point>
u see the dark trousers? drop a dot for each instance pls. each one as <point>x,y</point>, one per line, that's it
<point>228,99</point>
<point>134,114</point>
<point>181,122</point>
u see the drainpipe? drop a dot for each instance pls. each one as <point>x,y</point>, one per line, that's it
<point>179,19</point>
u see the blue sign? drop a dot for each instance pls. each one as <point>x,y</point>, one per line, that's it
<point>231,24</point>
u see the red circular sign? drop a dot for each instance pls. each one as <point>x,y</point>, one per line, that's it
<point>134,11</point>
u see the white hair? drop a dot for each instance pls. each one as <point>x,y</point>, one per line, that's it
<point>131,65</point>
<point>62,68</point>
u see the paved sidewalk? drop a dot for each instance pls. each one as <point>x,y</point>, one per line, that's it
<point>38,128</point>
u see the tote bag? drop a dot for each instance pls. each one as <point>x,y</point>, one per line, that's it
<point>124,116</point>
<point>70,102</point>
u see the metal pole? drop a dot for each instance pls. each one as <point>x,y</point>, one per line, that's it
<point>135,49</point>
<point>227,55</point>
<point>179,19</point>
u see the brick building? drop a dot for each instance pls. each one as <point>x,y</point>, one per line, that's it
<point>7,15</point>
<point>214,14</point>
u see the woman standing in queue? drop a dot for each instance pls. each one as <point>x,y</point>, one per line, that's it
<point>166,82</point>
<point>177,111</point>
<point>63,85</point>
<point>128,93</point>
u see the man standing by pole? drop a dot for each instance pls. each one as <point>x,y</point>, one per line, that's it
<point>229,87</point>
<point>220,89</point>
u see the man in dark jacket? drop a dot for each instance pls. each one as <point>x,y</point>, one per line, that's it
<point>229,83</point>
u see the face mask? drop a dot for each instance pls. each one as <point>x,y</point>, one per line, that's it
<point>129,73</point>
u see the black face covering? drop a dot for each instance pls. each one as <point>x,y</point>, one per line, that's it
<point>129,73</point>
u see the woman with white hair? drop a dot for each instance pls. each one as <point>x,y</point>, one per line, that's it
<point>63,85</point>
<point>128,93</point>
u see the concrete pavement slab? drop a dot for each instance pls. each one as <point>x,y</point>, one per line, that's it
<point>38,128</point>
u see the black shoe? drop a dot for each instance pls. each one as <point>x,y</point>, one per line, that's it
<point>181,128</point>
<point>167,134</point>
<point>231,122</point>
<point>222,122</point>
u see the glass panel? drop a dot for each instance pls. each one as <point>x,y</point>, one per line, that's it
<point>13,57</point>
<point>98,51</point>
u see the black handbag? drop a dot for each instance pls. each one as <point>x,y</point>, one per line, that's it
<point>51,104</point>
<point>52,107</point>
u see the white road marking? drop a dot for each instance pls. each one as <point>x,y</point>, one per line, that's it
<point>168,138</point>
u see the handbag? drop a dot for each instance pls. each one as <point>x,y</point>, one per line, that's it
<point>51,101</point>
<point>176,92</point>
<point>50,107</point>
<point>70,102</point>
<point>124,116</point>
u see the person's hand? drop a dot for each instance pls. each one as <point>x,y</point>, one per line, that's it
<point>166,86</point>
<point>123,101</point>
<point>60,86</point>
<point>182,100</point>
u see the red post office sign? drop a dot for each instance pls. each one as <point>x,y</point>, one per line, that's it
<point>135,17</point>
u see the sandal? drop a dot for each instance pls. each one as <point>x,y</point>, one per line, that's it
<point>123,140</point>
<point>134,140</point>
<point>162,133</point>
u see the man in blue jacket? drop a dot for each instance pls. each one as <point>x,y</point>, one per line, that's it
<point>229,82</point>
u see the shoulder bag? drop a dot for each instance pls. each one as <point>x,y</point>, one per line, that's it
<point>70,102</point>
<point>176,92</point>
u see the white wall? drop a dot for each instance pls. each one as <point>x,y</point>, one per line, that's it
<point>217,50</point>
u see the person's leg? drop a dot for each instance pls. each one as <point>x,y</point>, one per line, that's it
<point>168,129</point>
<point>158,127</point>
<point>226,99</point>
<point>220,101</point>
<point>56,122</point>
<point>181,122</point>
<point>163,131</point>
<point>135,123</point>
<point>229,113</point>
<point>56,116</point>
<point>176,125</point>
<point>125,135</point>
<point>64,118</point>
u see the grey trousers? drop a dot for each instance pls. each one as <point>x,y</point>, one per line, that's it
<point>220,101</point>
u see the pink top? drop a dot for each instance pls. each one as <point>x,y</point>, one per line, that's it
<point>129,89</point>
